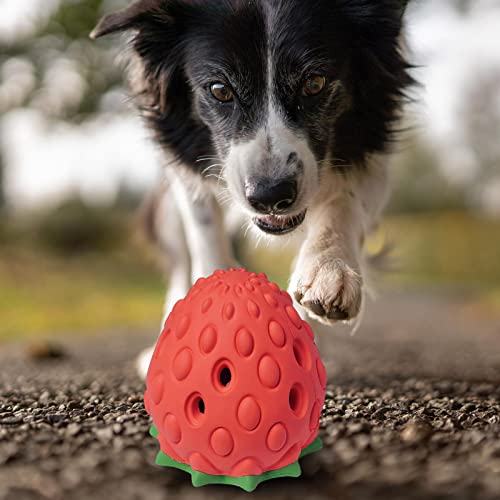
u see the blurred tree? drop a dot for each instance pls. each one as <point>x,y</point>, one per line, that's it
<point>419,183</point>
<point>480,123</point>
<point>57,70</point>
<point>463,6</point>
<point>68,73</point>
<point>127,198</point>
<point>2,187</point>
<point>74,227</point>
<point>480,118</point>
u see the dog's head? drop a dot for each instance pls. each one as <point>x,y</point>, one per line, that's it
<point>280,89</point>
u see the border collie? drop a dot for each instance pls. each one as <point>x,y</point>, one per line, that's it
<point>284,110</point>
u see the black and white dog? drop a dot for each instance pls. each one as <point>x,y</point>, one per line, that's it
<point>291,106</point>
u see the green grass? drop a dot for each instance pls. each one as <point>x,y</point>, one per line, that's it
<point>454,249</point>
<point>45,295</point>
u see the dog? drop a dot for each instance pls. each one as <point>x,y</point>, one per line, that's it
<point>283,111</point>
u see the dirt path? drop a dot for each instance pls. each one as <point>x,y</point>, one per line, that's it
<point>412,411</point>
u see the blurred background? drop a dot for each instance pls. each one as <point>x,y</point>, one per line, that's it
<point>75,163</point>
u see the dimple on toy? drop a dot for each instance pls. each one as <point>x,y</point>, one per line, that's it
<point>236,385</point>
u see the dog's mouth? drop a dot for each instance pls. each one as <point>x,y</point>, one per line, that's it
<point>279,224</point>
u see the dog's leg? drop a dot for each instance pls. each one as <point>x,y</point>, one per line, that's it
<point>190,230</point>
<point>207,239</point>
<point>167,230</point>
<point>327,280</point>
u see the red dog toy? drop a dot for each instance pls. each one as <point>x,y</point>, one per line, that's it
<point>236,384</point>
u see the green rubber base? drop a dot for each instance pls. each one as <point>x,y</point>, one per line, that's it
<point>247,483</point>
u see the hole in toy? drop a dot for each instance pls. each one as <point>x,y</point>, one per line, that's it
<point>301,355</point>
<point>201,405</point>
<point>225,376</point>
<point>195,409</point>
<point>297,400</point>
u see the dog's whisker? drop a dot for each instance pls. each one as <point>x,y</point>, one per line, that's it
<point>205,158</point>
<point>224,201</point>
<point>215,176</point>
<point>249,225</point>
<point>224,198</point>
<point>210,167</point>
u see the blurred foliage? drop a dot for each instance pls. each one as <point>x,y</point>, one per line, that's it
<point>420,186</point>
<point>480,119</point>
<point>456,249</point>
<point>62,45</point>
<point>2,189</point>
<point>463,6</point>
<point>58,70</point>
<point>74,227</point>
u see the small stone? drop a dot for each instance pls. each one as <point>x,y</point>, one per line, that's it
<point>357,428</point>
<point>117,428</point>
<point>416,431</point>
<point>55,418</point>
<point>7,452</point>
<point>469,408</point>
<point>105,434</point>
<point>42,351</point>
<point>73,429</point>
<point>124,418</point>
<point>44,397</point>
<point>11,421</point>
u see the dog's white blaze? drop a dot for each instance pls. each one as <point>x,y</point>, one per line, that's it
<point>266,154</point>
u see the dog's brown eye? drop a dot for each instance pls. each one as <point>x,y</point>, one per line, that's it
<point>313,85</point>
<point>222,92</point>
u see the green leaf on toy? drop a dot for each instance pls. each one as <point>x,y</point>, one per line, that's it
<point>247,483</point>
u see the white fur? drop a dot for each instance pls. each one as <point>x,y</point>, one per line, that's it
<point>208,243</point>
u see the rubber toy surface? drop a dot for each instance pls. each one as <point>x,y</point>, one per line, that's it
<point>236,384</point>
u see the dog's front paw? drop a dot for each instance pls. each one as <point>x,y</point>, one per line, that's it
<point>329,290</point>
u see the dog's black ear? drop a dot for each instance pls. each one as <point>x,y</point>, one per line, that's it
<point>124,19</point>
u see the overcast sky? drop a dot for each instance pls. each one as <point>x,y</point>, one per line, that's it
<point>451,48</point>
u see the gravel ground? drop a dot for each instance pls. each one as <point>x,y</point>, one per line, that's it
<point>412,411</point>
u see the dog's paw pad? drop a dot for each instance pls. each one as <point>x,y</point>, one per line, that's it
<point>315,307</point>
<point>338,314</point>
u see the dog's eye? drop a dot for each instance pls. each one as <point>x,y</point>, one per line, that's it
<point>313,85</point>
<point>222,92</point>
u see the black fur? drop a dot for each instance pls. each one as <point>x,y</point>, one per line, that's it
<point>185,46</point>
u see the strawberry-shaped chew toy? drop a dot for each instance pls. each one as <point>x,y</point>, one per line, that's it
<point>236,384</point>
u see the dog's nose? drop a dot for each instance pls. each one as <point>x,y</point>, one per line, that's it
<point>268,196</point>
